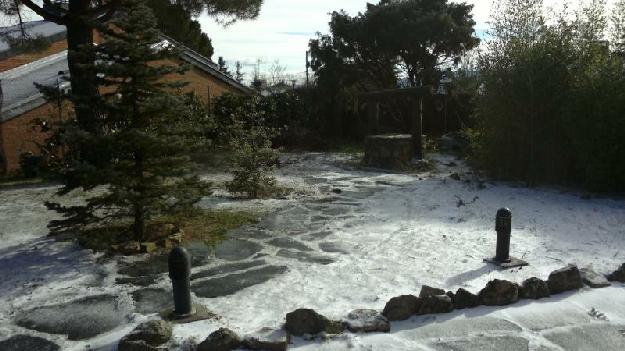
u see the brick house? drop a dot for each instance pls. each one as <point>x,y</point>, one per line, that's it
<point>21,104</point>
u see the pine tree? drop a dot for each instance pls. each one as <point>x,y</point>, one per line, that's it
<point>143,170</point>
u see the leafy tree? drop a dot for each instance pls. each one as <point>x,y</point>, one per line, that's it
<point>551,107</point>
<point>146,131</point>
<point>422,34</point>
<point>81,16</point>
<point>413,37</point>
<point>618,26</point>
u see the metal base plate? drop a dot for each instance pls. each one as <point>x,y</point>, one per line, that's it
<point>512,262</point>
<point>201,313</point>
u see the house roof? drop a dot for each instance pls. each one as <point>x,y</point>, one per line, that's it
<point>43,29</point>
<point>20,94</point>
<point>207,65</point>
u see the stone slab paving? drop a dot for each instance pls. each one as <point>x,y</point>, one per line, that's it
<point>79,319</point>
<point>232,283</point>
<point>151,300</point>
<point>589,337</point>
<point>482,343</point>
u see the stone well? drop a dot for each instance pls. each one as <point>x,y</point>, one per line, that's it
<point>390,151</point>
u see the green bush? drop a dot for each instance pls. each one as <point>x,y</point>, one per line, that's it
<point>551,102</point>
<point>254,159</point>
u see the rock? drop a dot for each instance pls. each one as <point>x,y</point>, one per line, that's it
<point>433,304</point>
<point>337,190</point>
<point>401,307</point>
<point>79,319</point>
<point>221,340</point>
<point>154,333</point>
<point>130,248</point>
<point>592,279</point>
<point>148,247</point>
<point>618,275</point>
<point>534,288</point>
<point>136,345</point>
<point>367,321</point>
<point>430,291</point>
<point>455,176</point>
<point>465,299</point>
<point>156,231</point>
<point>565,279</point>
<point>27,343</point>
<point>305,321</point>
<point>267,339</point>
<point>499,292</point>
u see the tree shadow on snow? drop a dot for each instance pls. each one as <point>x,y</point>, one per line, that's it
<point>41,261</point>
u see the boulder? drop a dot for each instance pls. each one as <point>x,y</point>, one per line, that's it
<point>22,342</point>
<point>465,299</point>
<point>534,288</point>
<point>618,275</point>
<point>267,339</point>
<point>499,292</point>
<point>435,304</point>
<point>430,291</point>
<point>136,345</point>
<point>146,336</point>
<point>221,340</point>
<point>401,307</point>
<point>305,321</point>
<point>592,279</point>
<point>367,321</point>
<point>564,279</point>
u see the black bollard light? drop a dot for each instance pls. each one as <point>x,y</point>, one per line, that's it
<point>503,226</point>
<point>180,274</point>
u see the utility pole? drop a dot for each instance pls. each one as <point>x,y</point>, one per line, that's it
<point>307,66</point>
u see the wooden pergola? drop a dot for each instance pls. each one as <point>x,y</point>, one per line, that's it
<point>414,97</point>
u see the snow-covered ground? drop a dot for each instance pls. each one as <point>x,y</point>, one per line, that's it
<point>384,234</point>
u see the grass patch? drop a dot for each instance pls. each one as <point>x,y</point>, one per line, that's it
<point>10,182</point>
<point>196,225</point>
<point>209,226</point>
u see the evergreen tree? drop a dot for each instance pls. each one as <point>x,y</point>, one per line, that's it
<point>146,134</point>
<point>238,74</point>
<point>223,65</point>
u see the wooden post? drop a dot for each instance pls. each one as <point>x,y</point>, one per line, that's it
<point>373,117</point>
<point>416,125</point>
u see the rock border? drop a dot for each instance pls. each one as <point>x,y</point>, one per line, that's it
<point>308,324</point>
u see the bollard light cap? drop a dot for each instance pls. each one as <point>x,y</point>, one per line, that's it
<point>179,263</point>
<point>504,212</point>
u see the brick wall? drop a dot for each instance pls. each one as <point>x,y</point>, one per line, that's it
<point>21,134</point>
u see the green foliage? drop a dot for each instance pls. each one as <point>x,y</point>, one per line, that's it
<point>254,159</point>
<point>142,169</point>
<point>247,125</point>
<point>551,100</point>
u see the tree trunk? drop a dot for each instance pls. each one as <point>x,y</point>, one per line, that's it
<point>139,210</point>
<point>80,63</point>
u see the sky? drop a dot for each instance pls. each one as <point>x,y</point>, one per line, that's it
<point>283,29</point>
